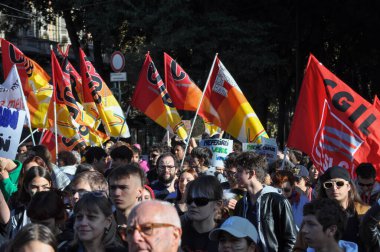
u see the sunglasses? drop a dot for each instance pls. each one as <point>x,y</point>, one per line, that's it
<point>202,201</point>
<point>330,184</point>
<point>367,185</point>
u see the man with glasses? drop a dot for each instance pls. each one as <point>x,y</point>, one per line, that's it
<point>264,206</point>
<point>167,166</point>
<point>154,226</point>
<point>368,188</point>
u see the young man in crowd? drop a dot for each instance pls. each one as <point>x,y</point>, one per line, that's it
<point>154,226</point>
<point>88,181</point>
<point>265,207</point>
<point>154,153</point>
<point>368,188</point>
<point>96,157</point>
<point>121,155</point>
<point>323,224</point>
<point>167,170</point>
<point>126,184</point>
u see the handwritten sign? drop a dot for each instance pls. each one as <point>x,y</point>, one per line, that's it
<point>11,124</point>
<point>268,147</point>
<point>220,149</point>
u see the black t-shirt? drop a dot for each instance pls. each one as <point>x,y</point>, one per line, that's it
<point>192,241</point>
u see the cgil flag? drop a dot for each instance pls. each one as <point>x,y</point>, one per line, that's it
<point>376,103</point>
<point>34,80</point>
<point>66,109</point>
<point>151,98</point>
<point>99,101</point>
<point>333,124</point>
<point>185,94</point>
<point>228,108</point>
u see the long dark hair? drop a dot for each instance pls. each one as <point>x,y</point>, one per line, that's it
<point>32,232</point>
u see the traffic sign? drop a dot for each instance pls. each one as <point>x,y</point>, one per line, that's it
<point>117,61</point>
<point>118,77</point>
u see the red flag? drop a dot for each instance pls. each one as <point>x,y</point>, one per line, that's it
<point>152,98</point>
<point>376,103</point>
<point>333,124</point>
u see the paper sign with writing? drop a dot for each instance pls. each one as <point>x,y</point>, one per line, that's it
<point>268,147</point>
<point>11,124</point>
<point>220,149</point>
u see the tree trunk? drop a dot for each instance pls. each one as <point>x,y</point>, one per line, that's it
<point>71,29</point>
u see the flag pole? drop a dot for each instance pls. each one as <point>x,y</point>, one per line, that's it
<point>55,106</point>
<point>125,122</point>
<point>199,106</point>
<point>25,107</point>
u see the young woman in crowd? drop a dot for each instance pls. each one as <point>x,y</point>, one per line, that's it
<point>94,225</point>
<point>200,161</point>
<point>285,181</point>
<point>184,178</point>
<point>147,194</point>
<point>33,237</point>
<point>204,202</point>
<point>37,179</point>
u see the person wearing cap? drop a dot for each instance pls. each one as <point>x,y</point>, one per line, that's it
<point>236,234</point>
<point>336,184</point>
<point>301,181</point>
<point>369,189</point>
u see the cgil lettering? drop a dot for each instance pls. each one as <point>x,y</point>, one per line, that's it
<point>343,100</point>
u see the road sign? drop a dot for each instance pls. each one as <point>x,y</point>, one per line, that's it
<point>117,61</point>
<point>118,77</point>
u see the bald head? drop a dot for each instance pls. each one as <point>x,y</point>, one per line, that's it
<point>160,211</point>
<point>165,232</point>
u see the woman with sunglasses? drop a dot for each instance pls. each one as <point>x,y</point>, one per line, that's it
<point>204,201</point>
<point>94,225</point>
<point>336,183</point>
<point>285,181</point>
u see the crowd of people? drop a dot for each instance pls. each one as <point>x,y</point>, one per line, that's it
<point>114,199</point>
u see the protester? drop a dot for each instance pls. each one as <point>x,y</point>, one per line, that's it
<point>201,161</point>
<point>323,225</point>
<point>37,179</point>
<point>126,185</point>
<point>232,191</point>
<point>60,179</point>
<point>314,175</point>
<point>9,175</point>
<point>22,148</point>
<point>301,181</point>
<point>167,169</point>
<point>370,229</point>
<point>83,168</point>
<point>204,203</point>
<point>285,180</point>
<point>154,226</point>
<point>53,213</point>
<point>147,194</point>
<point>265,207</point>
<point>337,184</point>
<point>179,150</point>
<point>184,178</point>
<point>96,157</point>
<point>136,158</point>
<point>94,226</point>
<point>154,153</point>
<point>33,237</point>
<point>121,155</point>
<point>368,187</point>
<point>67,163</point>
<point>236,234</point>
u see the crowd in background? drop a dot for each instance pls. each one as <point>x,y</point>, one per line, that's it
<point>114,199</point>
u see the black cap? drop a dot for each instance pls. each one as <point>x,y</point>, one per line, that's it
<point>335,172</point>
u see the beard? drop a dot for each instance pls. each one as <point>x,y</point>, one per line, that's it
<point>165,180</point>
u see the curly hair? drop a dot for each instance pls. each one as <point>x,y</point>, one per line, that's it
<point>253,162</point>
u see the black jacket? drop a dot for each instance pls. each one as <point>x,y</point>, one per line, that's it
<point>273,219</point>
<point>369,229</point>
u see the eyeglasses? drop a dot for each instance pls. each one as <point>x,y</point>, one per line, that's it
<point>164,167</point>
<point>365,185</point>
<point>146,229</point>
<point>330,184</point>
<point>201,201</point>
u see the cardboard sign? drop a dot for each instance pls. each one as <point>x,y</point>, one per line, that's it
<point>220,149</point>
<point>268,147</point>
<point>10,91</point>
<point>11,124</point>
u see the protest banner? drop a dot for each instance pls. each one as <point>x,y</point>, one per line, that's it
<point>220,149</point>
<point>11,124</point>
<point>268,147</point>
